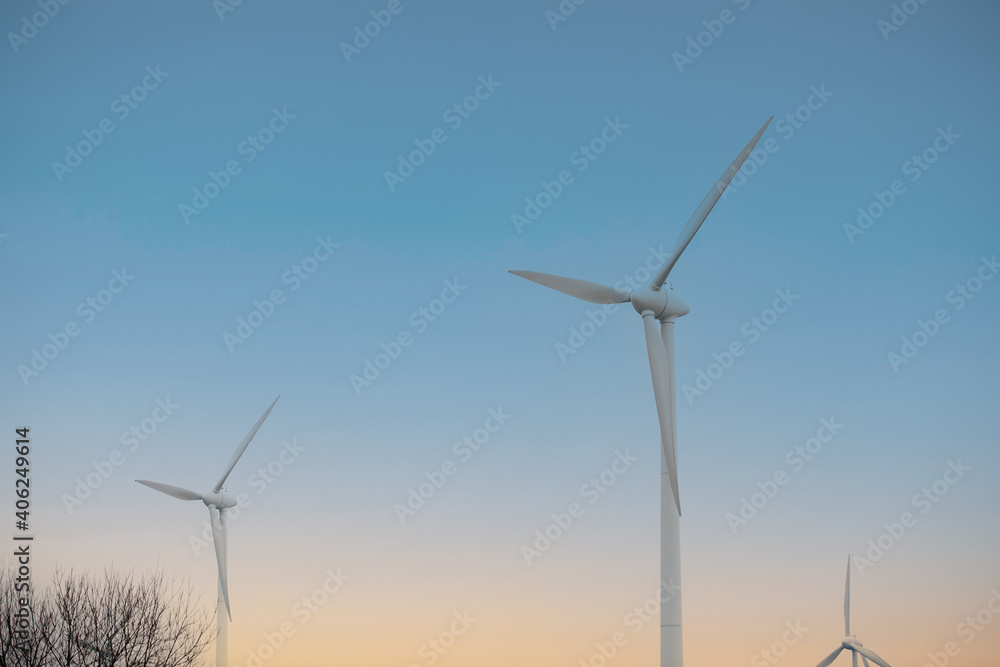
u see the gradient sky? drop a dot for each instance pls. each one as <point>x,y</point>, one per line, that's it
<point>495,346</point>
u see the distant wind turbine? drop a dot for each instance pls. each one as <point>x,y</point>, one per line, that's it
<point>217,501</point>
<point>656,305</point>
<point>105,656</point>
<point>851,642</point>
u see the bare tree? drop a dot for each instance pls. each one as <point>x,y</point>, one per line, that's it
<point>24,628</point>
<point>114,620</point>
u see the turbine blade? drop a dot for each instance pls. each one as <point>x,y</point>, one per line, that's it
<point>175,491</point>
<point>667,337</point>
<point>219,535</point>
<point>659,366</point>
<point>243,447</point>
<point>870,654</point>
<point>828,660</point>
<point>867,664</point>
<point>700,213</point>
<point>581,289</point>
<point>847,599</point>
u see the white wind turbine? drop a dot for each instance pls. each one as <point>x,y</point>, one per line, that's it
<point>851,642</point>
<point>217,501</point>
<point>656,305</point>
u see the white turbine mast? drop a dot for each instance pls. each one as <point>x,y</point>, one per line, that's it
<point>217,501</point>
<point>851,642</point>
<point>660,307</point>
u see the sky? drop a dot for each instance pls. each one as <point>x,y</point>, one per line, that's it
<point>207,205</point>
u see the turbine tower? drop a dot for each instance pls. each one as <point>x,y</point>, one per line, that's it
<point>851,642</point>
<point>659,311</point>
<point>217,501</point>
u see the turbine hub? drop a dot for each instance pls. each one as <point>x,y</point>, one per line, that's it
<point>662,303</point>
<point>220,500</point>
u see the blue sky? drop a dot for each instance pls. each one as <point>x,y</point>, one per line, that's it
<point>323,177</point>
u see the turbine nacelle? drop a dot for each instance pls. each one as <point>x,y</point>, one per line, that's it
<point>851,640</point>
<point>663,304</point>
<point>220,500</point>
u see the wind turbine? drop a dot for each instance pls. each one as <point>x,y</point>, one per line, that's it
<point>654,304</point>
<point>105,656</point>
<point>851,642</point>
<point>217,501</point>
